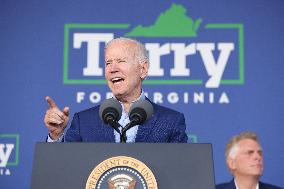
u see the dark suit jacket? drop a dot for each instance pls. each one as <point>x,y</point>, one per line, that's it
<point>231,185</point>
<point>166,125</point>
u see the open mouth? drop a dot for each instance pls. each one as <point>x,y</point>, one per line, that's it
<point>117,80</point>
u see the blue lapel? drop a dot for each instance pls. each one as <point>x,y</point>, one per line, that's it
<point>107,133</point>
<point>232,184</point>
<point>266,186</point>
<point>145,129</point>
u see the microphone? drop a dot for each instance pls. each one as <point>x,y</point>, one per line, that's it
<point>139,112</point>
<point>110,112</point>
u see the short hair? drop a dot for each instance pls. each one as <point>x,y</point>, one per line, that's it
<point>140,50</point>
<point>232,146</point>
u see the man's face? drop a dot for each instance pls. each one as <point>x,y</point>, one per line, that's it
<point>248,160</point>
<point>123,72</point>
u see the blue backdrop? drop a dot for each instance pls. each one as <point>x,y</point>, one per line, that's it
<point>239,89</point>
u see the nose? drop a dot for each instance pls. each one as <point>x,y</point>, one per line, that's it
<point>112,68</point>
<point>258,156</point>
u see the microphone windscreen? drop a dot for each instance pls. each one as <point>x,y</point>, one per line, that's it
<point>110,103</point>
<point>145,105</point>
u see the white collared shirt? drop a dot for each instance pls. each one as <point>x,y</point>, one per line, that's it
<point>257,186</point>
<point>124,120</point>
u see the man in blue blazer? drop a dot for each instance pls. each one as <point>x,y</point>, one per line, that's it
<point>245,162</point>
<point>126,66</point>
<point>166,125</point>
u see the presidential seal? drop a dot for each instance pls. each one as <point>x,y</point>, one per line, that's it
<point>121,172</point>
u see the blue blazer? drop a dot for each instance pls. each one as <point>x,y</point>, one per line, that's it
<point>231,185</point>
<point>166,125</point>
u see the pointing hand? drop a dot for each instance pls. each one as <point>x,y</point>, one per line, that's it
<point>55,119</point>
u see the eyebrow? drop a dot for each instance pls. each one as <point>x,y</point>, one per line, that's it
<point>251,150</point>
<point>117,59</point>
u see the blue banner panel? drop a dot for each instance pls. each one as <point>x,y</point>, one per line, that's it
<point>219,62</point>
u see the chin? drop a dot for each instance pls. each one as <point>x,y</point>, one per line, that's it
<point>257,173</point>
<point>118,94</point>
<point>116,90</point>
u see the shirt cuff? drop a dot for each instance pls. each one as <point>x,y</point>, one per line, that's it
<point>60,139</point>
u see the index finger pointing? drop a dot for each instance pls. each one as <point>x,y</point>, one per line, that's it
<point>50,102</point>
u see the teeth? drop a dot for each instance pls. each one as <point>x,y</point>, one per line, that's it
<point>116,79</point>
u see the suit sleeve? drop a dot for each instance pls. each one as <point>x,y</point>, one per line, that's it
<point>73,133</point>
<point>179,130</point>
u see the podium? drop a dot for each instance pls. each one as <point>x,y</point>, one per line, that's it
<point>174,166</point>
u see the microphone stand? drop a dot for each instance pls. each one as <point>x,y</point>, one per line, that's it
<point>123,136</point>
<point>115,125</point>
<point>131,124</point>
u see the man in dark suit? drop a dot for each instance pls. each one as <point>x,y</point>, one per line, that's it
<point>126,66</point>
<point>245,162</point>
<point>231,185</point>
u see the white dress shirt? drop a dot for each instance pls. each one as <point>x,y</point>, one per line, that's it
<point>257,186</point>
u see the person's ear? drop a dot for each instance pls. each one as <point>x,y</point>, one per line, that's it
<point>144,70</point>
<point>231,162</point>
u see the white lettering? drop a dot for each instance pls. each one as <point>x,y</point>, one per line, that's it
<point>158,97</point>
<point>211,98</point>
<point>213,68</point>
<point>173,97</point>
<point>155,53</point>
<point>109,95</point>
<point>186,98</point>
<point>95,97</point>
<point>5,172</point>
<point>198,98</point>
<point>80,97</point>
<point>4,156</point>
<point>180,58</point>
<point>93,41</point>
<point>224,99</point>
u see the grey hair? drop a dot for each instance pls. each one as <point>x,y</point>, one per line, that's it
<point>232,146</point>
<point>140,52</point>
